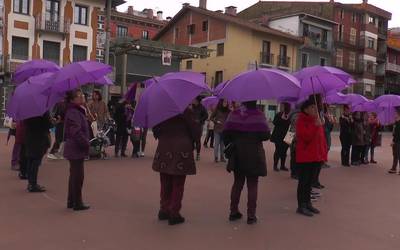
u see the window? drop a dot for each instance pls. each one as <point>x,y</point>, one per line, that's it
<point>122,31</point>
<point>100,26</point>
<point>266,56</point>
<point>189,64</point>
<point>324,39</point>
<point>371,67</point>
<point>340,33</point>
<point>341,14</point>
<point>219,77</point>
<point>79,53</point>
<point>205,26</point>
<point>306,29</point>
<point>371,19</point>
<point>176,33</point>
<point>51,51</point>
<point>21,6</point>
<point>81,15</point>
<point>354,17</point>
<point>20,48</point>
<point>339,58</point>
<point>145,34</point>
<point>99,52</point>
<point>220,49</point>
<point>322,61</point>
<point>304,60</point>
<point>371,43</point>
<point>191,29</point>
<point>352,60</point>
<point>266,47</point>
<point>353,36</point>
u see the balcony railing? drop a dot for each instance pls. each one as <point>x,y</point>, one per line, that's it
<point>393,67</point>
<point>267,58</point>
<point>283,61</point>
<point>316,44</point>
<point>53,25</point>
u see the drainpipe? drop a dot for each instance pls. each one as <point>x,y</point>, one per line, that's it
<point>106,90</point>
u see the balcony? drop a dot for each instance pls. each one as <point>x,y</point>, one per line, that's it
<point>283,61</point>
<point>393,67</point>
<point>382,32</point>
<point>44,24</point>
<point>266,58</point>
<point>317,44</point>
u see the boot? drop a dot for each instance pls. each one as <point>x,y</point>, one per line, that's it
<point>176,220</point>
<point>304,210</point>
<point>312,209</point>
<point>235,216</point>
<point>81,207</point>
<point>163,216</point>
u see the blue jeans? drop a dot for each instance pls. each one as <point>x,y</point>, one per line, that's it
<point>219,146</point>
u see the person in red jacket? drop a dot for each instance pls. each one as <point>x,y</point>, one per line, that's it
<point>311,152</point>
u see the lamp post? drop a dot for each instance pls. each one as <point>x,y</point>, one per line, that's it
<point>107,45</point>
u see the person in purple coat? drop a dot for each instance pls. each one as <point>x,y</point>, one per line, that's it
<point>76,147</point>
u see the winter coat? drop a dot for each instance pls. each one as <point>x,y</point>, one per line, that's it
<point>37,136</point>
<point>100,111</point>
<point>200,114</point>
<point>396,132</point>
<point>20,133</point>
<point>176,137</point>
<point>310,140</point>
<point>246,131</point>
<point>121,119</point>
<point>76,133</point>
<point>281,127</point>
<point>219,117</point>
<point>345,129</point>
<point>358,136</point>
<point>374,128</point>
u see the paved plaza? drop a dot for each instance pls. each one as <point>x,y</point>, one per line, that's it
<point>360,208</point>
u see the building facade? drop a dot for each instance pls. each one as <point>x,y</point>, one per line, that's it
<point>392,77</point>
<point>236,45</point>
<point>359,38</point>
<point>316,32</point>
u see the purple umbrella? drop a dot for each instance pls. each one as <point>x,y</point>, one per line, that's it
<point>368,106</point>
<point>322,80</point>
<point>210,102</point>
<point>219,88</point>
<point>261,84</point>
<point>386,108</point>
<point>387,101</point>
<point>150,81</point>
<point>78,74</point>
<point>29,99</point>
<point>131,93</point>
<point>336,98</point>
<point>387,116</point>
<point>33,68</point>
<point>169,96</point>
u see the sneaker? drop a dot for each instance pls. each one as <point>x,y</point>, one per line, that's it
<point>304,211</point>
<point>251,220</point>
<point>235,216</point>
<point>52,157</point>
<point>176,220</point>
<point>392,171</point>
<point>36,189</point>
<point>141,154</point>
<point>326,165</point>
<point>313,209</point>
<point>163,216</point>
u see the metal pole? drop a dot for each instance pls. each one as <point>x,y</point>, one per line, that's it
<point>107,46</point>
<point>123,81</point>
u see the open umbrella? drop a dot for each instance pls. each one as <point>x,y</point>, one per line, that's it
<point>29,99</point>
<point>33,68</point>
<point>336,98</point>
<point>77,74</point>
<point>386,108</point>
<point>210,102</point>
<point>219,87</point>
<point>167,97</point>
<point>260,84</point>
<point>130,95</point>
<point>322,80</point>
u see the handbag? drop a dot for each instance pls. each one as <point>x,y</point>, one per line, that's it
<point>289,137</point>
<point>229,150</point>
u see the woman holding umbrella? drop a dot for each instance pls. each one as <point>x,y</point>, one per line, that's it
<point>76,147</point>
<point>219,117</point>
<point>281,123</point>
<point>244,133</point>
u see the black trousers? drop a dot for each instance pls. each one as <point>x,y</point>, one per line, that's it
<point>306,171</point>
<point>197,146</point>
<point>372,152</point>
<point>33,164</point>
<point>75,183</point>
<point>293,164</point>
<point>209,138</point>
<point>280,153</point>
<point>345,153</point>
<point>59,137</point>
<point>143,139</point>
<point>396,155</point>
<point>356,153</point>
<point>23,162</point>
<point>121,142</point>
<point>136,148</point>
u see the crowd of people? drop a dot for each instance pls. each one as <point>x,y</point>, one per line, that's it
<point>235,131</point>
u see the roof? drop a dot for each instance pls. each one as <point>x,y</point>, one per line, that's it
<point>369,8</point>
<point>228,19</point>
<point>115,13</point>
<point>275,17</point>
<point>116,3</point>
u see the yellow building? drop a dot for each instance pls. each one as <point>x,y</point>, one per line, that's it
<point>236,45</point>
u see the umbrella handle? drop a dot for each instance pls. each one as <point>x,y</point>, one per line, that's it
<point>315,97</point>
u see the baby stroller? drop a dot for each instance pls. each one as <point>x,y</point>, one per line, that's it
<point>101,141</point>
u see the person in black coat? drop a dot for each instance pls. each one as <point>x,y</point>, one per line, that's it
<point>244,133</point>
<point>281,123</point>
<point>58,119</point>
<point>200,116</point>
<point>37,142</point>
<point>345,135</point>
<point>122,135</point>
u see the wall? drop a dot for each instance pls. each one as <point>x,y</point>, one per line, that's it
<point>289,25</point>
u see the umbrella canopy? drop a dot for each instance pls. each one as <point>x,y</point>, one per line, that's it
<point>386,108</point>
<point>210,102</point>
<point>130,95</point>
<point>167,97</point>
<point>387,101</point>
<point>78,74</point>
<point>336,98</point>
<point>219,88</point>
<point>322,80</point>
<point>387,116</point>
<point>368,106</point>
<point>29,99</point>
<point>150,81</point>
<point>33,68</point>
<point>260,84</point>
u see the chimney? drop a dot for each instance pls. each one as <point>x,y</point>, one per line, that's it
<point>130,10</point>
<point>159,15</point>
<point>264,20</point>
<point>219,11</point>
<point>365,1</point>
<point>150,13</point>
<point>203,4</point>
<point>185,5</point>
<point>169,18</point>
<point>231,10</point>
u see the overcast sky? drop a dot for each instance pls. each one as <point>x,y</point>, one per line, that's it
<point>171,7</point>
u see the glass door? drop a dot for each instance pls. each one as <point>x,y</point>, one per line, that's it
<point>52,15</point>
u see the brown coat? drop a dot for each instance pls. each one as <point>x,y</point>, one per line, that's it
<point>176,138</point>
<point>100,110</point>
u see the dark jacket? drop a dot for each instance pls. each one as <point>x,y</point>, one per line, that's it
<point>248,157</point>
<point>396,132</point>
<point>37,136</point>
<point>345,129</point>
<point>358,137</point>
<point>310,140</point>
<point>76,133</point>
<point>176,138</point>
<point>120,119</point>
<point>281,127</point>
<point>219,117</point>
<point>200,114</point>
